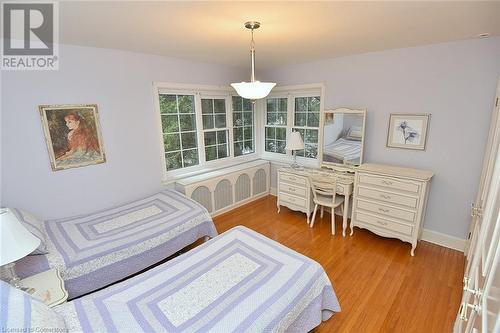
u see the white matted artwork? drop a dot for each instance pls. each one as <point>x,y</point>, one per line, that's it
<point>408,131</point>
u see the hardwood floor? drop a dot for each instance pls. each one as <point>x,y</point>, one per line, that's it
<point>381,288</point>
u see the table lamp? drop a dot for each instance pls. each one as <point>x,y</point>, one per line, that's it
<point>16,242</point>
<point>294,143</point>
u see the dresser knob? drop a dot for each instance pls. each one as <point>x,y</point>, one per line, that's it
<point>382,223</point>
<point>385,196</point>
<point>383,210</point>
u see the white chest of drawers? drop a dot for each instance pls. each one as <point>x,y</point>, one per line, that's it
<point>390,201</point>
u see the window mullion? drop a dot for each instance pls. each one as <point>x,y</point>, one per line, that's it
<point>229,124</point>
<point>199,129</point>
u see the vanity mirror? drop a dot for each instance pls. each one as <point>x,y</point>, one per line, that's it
<point>343,132</point>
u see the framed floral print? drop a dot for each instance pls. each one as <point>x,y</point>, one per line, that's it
<point>408,131</point>
<point>73,135</point>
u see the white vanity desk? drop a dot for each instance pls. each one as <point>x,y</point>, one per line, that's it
<point>295,193</point>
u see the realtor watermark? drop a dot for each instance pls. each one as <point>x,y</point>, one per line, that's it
<point>30,34</point>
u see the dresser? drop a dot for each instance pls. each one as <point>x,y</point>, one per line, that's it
<point>390,201</point>
<point>295,193</point>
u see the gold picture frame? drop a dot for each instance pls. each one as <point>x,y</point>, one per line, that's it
<point>73,135</point>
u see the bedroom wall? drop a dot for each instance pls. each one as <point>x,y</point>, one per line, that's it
<point>455,82</point>
<point>120,83</point>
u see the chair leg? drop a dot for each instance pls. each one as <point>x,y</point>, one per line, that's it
<point>322,209</point>
<point>333,221</point>
<point>314,215</point>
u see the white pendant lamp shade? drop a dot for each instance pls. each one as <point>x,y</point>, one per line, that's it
<point>16,241</point>
<point>254,89</point>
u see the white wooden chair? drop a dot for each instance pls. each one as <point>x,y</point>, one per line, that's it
<point>325,195</point>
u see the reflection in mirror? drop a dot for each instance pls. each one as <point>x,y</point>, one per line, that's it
<point>343,137</point>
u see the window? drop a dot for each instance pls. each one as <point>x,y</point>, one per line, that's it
<point>178,121</point>
<point>243,126</point>
<point>197,128</point>
<point>215,128</point>
<point>306,122</point>
<point>276,121</point>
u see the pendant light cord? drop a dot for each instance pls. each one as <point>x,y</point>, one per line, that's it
<point>252,55</point>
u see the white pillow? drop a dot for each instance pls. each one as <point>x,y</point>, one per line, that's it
<point>355,133</point>
<point>19,312</point>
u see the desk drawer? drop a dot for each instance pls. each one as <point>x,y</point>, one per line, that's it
<point>289,178</point>
<point>386,210</point>
<point>300,202</point>
<point>388,197</point>
<point>389,183</point>
<point>385,224</point>
<point>296,190</point>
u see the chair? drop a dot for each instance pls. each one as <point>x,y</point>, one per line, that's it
<point>325,195</point>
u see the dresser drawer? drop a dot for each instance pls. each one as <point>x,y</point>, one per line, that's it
<point>386,210</point>
<point>300,202</point>
<point>289,178</point>
<point>385,224</point>
<point>389,183</point>
<point>293,189</point>
<point>388,197</point>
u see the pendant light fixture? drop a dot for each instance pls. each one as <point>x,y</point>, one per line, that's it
<point>254,89</point>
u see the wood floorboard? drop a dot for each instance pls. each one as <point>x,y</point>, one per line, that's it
<point>381,288</point>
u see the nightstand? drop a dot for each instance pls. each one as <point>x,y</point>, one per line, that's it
<point>47,287</point>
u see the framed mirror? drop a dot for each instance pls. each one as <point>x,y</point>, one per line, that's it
<point>343,134</point>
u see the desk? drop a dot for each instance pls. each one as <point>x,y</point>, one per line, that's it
<point>295,192</point>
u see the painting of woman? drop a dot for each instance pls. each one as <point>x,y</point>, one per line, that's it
<point>73,135</point>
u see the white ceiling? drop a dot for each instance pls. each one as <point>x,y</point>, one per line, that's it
<point>291,32</point>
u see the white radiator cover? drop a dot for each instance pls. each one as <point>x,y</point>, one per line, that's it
<point>225,189</point>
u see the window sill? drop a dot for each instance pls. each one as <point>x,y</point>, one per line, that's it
<point>171,179</point>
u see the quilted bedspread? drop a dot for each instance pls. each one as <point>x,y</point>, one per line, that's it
<point>95,250</point>
<point>239,281</point>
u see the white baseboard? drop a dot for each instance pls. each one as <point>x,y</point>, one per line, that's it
<point>448,241</point>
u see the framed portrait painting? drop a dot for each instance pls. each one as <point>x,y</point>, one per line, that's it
<point>73,135</point>
<point>408,131</point>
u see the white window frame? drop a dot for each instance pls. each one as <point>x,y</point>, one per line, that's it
<point>275,96</point>
<point>200,91</point>
<point>304,90</point>
<point>254,126</point>
<point>227,128</point>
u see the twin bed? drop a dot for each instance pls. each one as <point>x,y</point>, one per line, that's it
<point>94,250</point>
<point>342,151</point>
<point>239,281</point>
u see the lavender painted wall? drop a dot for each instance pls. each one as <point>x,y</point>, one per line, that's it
<point>120,83</point>
<point>455,82</point>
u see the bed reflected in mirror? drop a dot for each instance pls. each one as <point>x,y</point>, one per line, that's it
<point>343,137</point>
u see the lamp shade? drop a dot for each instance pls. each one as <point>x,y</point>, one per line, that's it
<point>16,241</point>
<point>253,90</point>
<point>294,142</point>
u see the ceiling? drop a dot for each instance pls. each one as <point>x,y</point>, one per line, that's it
<point>291,32</point>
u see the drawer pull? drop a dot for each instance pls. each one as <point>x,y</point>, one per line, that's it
<point>384,210</point>
<point>386,182</point>
<point>382,223</point>
<point>291,189</point>
<point>291,199</point>
<point>387,197</point>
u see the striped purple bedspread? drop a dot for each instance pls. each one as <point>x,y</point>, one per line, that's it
<point>239,281</point>
<point>94,250</point>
